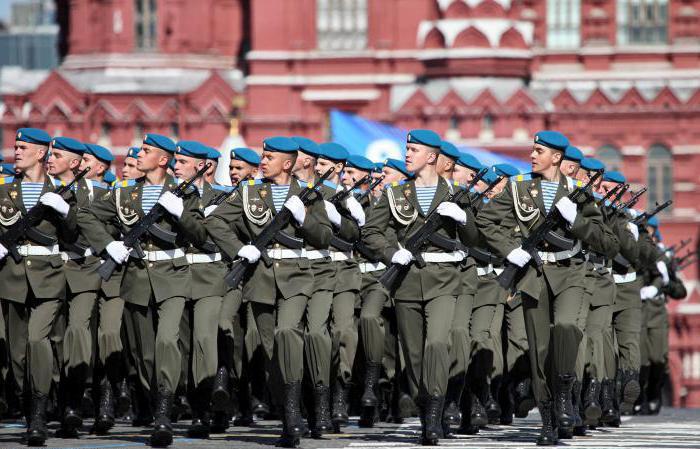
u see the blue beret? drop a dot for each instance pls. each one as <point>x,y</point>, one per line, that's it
<point>33,135</point>
<point>246,155</point>
<point>171,164</point>
<point>399,165</point>
<point>424,137</point>
<point>109,177</point>
<point>68,144</point>
<point>505,170</point>
<point>657,234</point>
<point>360,162</point>
<point>333,152</point>
<point>159,141</point>
<point>213,154</point>
<point>99,152</point>
<point>449,150</point>
<point>307,146</point>
<point>592,164</point>
<point>192,148</point>
<point>469,161</point>
<point>653,222</point>
<point>378,167</point>
<point>280,145</point>
<point>490,177</point>
<point>614,176</point>
<point>133,152</point>
<point>7,169</point>
<point>573,154</point>
<point>552,139</point>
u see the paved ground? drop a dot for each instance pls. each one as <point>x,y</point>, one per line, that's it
<point>673,429</point>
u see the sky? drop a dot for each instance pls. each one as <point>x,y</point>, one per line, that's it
<point>5,9</point>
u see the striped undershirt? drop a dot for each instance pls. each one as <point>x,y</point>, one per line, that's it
<point>31,191</point>
<point>425,197</point>
<point>549,191</point>
<point>150,197</point>
<point>279,194</point>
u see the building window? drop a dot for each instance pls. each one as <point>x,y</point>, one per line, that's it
<point>642,21</point>
<point>105,138</point>
<point>659,175</point>
<point>145,19</point>
<point>611,157</point>
<point>341,24</point>
<point>174,130</point>
<point>563,23</point>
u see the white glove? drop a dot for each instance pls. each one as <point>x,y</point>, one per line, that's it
<point>634,229</point>
<point>209,209</point>
<point>296,206</point>
<point>453,211</point>
<point>567,209</point>
<point>55,202</point>
<point>171,203</point>
<point>661,266</point>
<point>332,212</point>
<point>648,292</point>
<point>356,210</point>
<point>249,252</point>
<point>402,257</point>
<point>118,251</point>
<point>519,257</point>
<point>633,213</point>
<point>3,251</point>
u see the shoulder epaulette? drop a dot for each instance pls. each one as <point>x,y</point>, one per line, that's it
<point>254,182</point>
<point>222,188</point>
<point>7,180</point>
<point>523,177</point>
<point>396,183</point>
<point>327,183</point>
<point>125,183</point>
<point>99,184</point>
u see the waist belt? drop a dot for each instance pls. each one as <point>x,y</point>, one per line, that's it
<point>157,256</point>
<point>337,256</point>
<point>483,271</point>
<point>547,256</point>
<point>72,255</point>
<point>601,267</point>
<point>203,258</point>
<point>368,267</point>
<point>454,256</point>
<point>314,254</point>
<point>36,250</point>
<point>625,278</point>
<point>283,253</point>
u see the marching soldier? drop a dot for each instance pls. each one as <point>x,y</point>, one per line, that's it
<point>34,285</point>
<point>279,292</point>
<point>425,297</point>
<point>556,290</point>
<point>155,286</point>
<point>130,169</point>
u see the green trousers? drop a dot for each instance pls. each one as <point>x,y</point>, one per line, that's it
<point>627,325</point>
<point>109,338</point>
<point>77,340</point>
<point>372,326</point>
<point>654,333</point>
<point>204,357</point>
<point>344,335</point>
<point>229,327</point>
<point>516,349</point>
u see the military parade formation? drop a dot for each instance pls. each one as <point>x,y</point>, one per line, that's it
<point>322,285</point>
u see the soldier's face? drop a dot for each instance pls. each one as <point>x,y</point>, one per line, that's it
<point>304,162</point>
<point>569,168</point>
<point>28,154</point>
<point>273,163</point>
<point>239,170</point>
<point>323,165</point>
<point>61,161</point>
<point>543,158</point>
<point>391,175</point>
<point>186,166</point>
<point>351,175</point>
<point>606,186</point>
<point>97,167</point>
<point>444,166</point>
<point>129,170</point>
<point>419,156</point>
<point>463,175</point>
<point>151,158</point>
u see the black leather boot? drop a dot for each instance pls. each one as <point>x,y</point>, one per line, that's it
<point>162,434</point>
<point>630,391</point>
<point>657,374</point>
<point>220,396</point>
<point>245,410</point>
<point>104,420</point>
<point>563,408</point>
<point>369,401</point>
<point>611,416</point>
<point>322,413</point>
<point>478,413</point>
<point>201,419</point>
<point>292,423</point>
<point>432,419</point>
<point>548,433</point>
<point>219,422</point>
<point>339,414</point>
<point>72,420</point>
<point>523,400</point>
<point>37,431</point>
<point>493,408</point>
<point>450,415</point>
<point>592,411</point>
<point>579,427</point>
<point>123,398</point>
<point>466,426</point>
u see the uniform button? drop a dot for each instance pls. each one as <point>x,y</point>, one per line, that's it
<point>277,245</point>
<point>29,263</point>
<point>277,264</point>
<point>150,264</point>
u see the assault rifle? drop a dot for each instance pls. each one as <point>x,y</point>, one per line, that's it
<point>131,239</point>
<point>679,246</point>
<point>33,217</point>
<point>342,195</point>
<point>280,221</point>
<point>631,202</point>
<point>507,278</point>
<point>415,242</point>
<point>478,202</point>
<point>645,216</point>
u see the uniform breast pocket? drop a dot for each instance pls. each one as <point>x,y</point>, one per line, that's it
<point>9,215</point>
<point>56,261</point>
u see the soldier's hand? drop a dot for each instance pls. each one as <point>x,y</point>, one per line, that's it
<point>296,207</point>
<point>519,257</point>
<point>3,251</point>
<point>333,214</point>
<point>453,211</point>
<point>648,292</point>
<point>118,251</point>
<point>209,209</point>
<point>402,257</point>
<point>661,266</point>
<point>634,229</point>
<point>55,202</point>
<point>567,209</point>
<point>172,203</point>
<point>356,210</point>
<point>250,253</point>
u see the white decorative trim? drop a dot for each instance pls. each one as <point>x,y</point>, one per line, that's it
<point>493,29</point>
<point>340,95</point>
<point>685,149</point>
<point>444,4</point>
<point>684,187</point>
<point>472,53</point>
<point>633,150</point>
<point>147,59</point>
<point>303,80</point>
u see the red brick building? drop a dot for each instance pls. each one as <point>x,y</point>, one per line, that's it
<point>620,77</point>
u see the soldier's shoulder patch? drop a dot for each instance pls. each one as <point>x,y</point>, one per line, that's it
<point>254,182</point>
<point>99,184</point>
<point>221,188</point>
<point>7,180</point>
<point>395,184</point>
<point>523,177</point>
<point>125,183</point>
<point>327,183</point>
